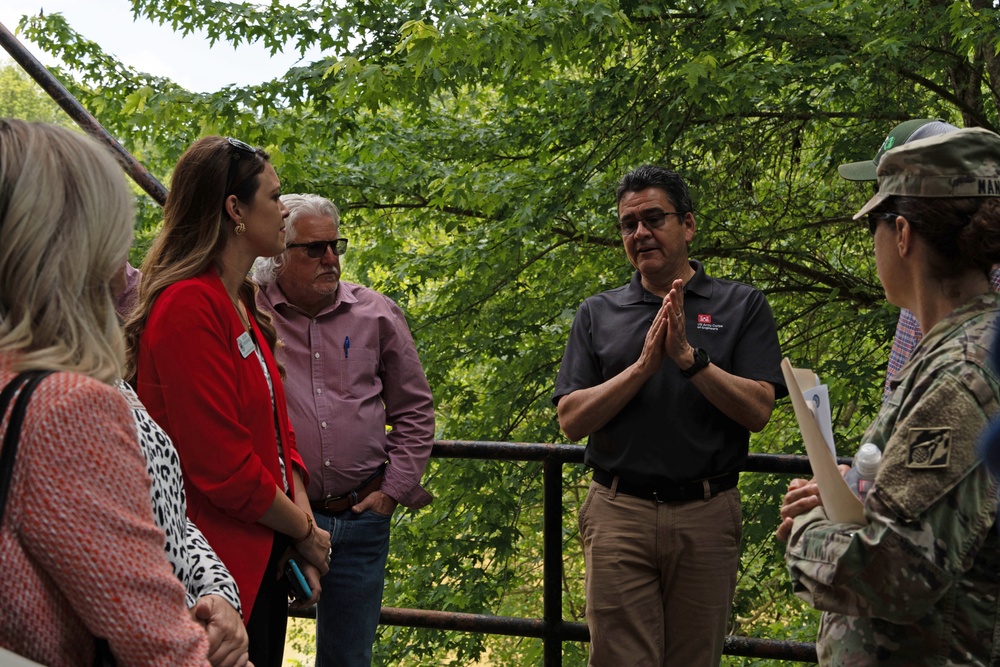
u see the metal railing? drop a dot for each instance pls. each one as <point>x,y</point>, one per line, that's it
<point>552,629</point>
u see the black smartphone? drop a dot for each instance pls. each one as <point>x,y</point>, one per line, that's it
<point>297,583</point>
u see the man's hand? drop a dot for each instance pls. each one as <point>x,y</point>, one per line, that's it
<point>227,637</point>
<point>377,502</point>
<point>675,342</point>
<point>585,411</point>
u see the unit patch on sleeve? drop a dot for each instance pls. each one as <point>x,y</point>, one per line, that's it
<point>928,448</point>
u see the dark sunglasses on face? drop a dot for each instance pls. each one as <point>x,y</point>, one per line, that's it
<point>652,220</point>
<point>874,218</point>
<point>241,148</point>
<point>317,249</point>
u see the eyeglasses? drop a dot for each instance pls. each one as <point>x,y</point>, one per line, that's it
<point>241,148</point>
<point>873,219</point>
<point>317,249</point>
<point>649,221</point>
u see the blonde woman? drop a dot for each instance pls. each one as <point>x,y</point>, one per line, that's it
<point>82,557</point>
<point>201,360</point>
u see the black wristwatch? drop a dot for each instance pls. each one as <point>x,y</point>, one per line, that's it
<point>701,361</point>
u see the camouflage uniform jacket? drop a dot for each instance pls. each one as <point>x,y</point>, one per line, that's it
<point>920,584</point>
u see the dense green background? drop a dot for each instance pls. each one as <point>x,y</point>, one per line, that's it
<point>473,150</point>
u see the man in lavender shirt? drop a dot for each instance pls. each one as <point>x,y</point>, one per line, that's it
<point>908,332</point>
<point>351,370</point>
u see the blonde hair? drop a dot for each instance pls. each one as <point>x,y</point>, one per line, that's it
<point>66,219</point>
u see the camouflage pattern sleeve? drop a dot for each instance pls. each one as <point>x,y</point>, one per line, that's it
<point>930,508</point>
<point>920,577</point>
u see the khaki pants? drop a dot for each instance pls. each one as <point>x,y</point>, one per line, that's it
<point>660,577</point>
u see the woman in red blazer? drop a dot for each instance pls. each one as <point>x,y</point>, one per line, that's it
<point>201,360</point>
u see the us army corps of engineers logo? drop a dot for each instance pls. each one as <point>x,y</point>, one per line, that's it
<point>928,448</point>
<point>705,322</point>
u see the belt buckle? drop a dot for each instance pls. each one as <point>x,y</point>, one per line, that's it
<point>332,499</point>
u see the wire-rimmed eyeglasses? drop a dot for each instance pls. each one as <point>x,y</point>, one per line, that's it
<point>317,249</point>
<point>241,148</point>
<point>652,220</point>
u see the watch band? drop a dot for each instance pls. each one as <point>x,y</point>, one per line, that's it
<point>701,361</point>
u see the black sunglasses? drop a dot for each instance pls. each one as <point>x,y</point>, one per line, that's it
<point>241,148</point>
<point>317,249</point>
<point>874,218</point>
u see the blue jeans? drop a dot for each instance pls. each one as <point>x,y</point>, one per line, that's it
<point>349,606</point>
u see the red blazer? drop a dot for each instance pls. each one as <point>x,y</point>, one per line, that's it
<point>213,401</point>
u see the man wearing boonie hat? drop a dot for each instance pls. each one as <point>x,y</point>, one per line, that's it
<point>908,332</point>
<point>915,583</point>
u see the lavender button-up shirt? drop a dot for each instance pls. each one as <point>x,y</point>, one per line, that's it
<point>351,371</point>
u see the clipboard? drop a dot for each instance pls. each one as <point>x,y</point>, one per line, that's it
<point>840,503</point>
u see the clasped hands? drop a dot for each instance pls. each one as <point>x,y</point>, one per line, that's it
<point>227,636</point>
<point>666,336</point>
<point>312,554</point>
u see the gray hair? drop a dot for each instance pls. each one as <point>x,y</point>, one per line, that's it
<point>267,269</point>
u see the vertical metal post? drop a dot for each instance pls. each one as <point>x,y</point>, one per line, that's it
<point>552,561</point>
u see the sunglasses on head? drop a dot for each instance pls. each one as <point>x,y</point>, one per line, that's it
<point>317,249</point>
<point>240,148</point>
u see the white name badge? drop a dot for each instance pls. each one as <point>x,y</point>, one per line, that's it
<point>245,343</point>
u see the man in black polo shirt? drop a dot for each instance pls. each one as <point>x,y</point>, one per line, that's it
<point>667,376</point>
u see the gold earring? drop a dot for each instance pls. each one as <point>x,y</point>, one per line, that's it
<point>240,228</point>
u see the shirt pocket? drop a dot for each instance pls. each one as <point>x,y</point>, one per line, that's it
<point>359,372</point>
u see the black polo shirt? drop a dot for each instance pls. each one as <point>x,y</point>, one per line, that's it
<point>669,430</point>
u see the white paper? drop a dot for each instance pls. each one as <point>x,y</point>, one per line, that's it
<point>818,402</point>
<point>840,503</point>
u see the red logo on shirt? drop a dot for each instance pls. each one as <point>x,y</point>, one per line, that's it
<point>704,319</point>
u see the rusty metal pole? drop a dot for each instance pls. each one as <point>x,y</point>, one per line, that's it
<point>83,118</point>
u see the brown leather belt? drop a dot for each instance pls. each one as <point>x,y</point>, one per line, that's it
<point>335,504</point>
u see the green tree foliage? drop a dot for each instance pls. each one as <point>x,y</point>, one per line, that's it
<point>473,149</point>
<point>21,97</point>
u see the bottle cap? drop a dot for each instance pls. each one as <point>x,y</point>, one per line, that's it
<point>867,460</point>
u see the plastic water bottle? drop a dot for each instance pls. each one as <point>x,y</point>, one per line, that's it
<point>861,476</point>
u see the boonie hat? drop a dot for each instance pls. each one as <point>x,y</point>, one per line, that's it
<point>911,130</point>
<point>963,163</point>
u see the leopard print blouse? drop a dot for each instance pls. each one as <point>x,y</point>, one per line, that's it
<point>194,561</point>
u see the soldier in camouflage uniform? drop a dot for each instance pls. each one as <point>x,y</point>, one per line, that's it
<point>920,583</point>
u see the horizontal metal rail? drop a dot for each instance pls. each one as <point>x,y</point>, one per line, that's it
<point>748,647</point>
<point>553,630</point>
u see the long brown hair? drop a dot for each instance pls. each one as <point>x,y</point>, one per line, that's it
<point>195,230</point>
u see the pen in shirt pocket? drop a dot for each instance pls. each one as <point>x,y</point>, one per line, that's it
<point>347,346</point>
